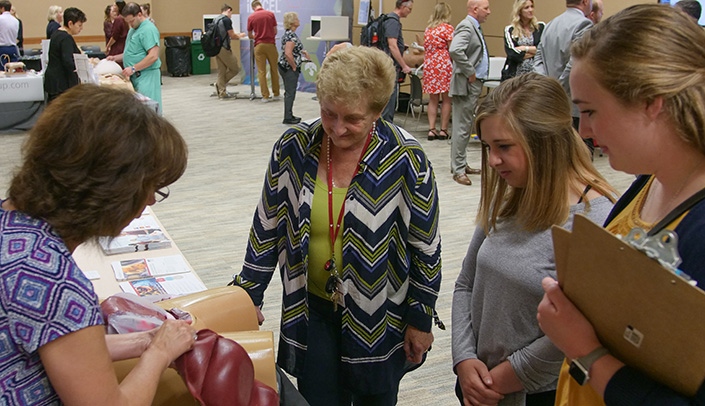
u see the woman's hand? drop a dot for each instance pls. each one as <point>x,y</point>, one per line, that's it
<point>339,46</point>
<point>115,58</point>
<point>173,338</point>
<point>260,315</point>
<point>573,334</point>
<point>130,345</point>
<point>416,343</point>
<point>82,356</point>
<point>563,323</point>
<point>475,381</point>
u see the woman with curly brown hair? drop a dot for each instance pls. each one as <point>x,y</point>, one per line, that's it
<point>87,172</point>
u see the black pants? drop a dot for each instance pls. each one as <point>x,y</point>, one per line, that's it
<point>321,384</point>
<point>291,81</point>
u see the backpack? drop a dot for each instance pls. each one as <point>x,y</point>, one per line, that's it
<point>372,35</point>
<point>211,40</point>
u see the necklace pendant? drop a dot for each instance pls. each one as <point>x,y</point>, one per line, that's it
<point>334,298</point>
<point>330,265</point>
<point>332,285</point>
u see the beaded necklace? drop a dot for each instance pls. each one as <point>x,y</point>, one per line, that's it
<point>335,281</point>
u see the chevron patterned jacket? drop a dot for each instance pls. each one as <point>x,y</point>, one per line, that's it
<point>391,263</point>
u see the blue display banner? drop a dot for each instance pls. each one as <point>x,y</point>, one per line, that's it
<point>305,10</point>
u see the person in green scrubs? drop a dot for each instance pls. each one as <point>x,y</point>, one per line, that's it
<point>141,56</point>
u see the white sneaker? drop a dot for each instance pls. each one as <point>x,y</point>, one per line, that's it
<point>266,100</point>
<point>275,98</point>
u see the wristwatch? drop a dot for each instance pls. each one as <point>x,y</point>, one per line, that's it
<point>580,368</point>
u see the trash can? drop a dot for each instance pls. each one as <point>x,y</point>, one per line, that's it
<point>178,58</point>
<point>200,63</point>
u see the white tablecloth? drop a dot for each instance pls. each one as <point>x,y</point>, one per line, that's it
<point>25,87</point>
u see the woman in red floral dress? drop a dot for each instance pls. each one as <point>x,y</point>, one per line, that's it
<point>437,69</point>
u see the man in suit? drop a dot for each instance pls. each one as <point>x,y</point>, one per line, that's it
<point>553,53</point>
<point>470,68</point>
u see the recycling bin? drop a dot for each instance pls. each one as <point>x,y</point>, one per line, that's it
<point>200,63</point>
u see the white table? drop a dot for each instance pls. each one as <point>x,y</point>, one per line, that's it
<point>23,87</point>
<point>90,257</point>
<point>21,100</point>
<point>327,41</point>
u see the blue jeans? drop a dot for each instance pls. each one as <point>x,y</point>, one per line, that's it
<point>321,383</point>
<point>12,53</point>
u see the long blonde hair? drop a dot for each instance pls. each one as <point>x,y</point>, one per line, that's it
<point>441,14</point>
<point>536,110</point>
<point>671,67</point>
<point>516,18</point>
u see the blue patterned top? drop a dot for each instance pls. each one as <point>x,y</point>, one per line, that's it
<point>391,265</point>
<point>43,296</point>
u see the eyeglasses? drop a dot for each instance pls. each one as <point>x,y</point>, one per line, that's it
<point>161,194</point>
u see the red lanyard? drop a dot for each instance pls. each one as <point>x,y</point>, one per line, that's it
<point>334,230</point>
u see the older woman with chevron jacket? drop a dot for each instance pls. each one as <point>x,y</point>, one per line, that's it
<point>349,213</point>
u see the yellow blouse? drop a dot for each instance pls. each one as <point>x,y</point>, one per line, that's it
<point>568,391</point>
<point>319,245</point>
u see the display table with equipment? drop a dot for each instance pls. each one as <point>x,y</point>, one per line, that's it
<point>227,310</point>
<point>98,266</point>
<point>21,100</point>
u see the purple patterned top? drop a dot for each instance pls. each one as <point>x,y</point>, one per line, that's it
<point>43,296</point>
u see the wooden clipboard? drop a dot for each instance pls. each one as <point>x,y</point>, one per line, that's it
<point>643,313</point>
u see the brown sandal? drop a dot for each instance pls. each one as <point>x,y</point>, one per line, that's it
<point>433,134</point>
<point>443,135</point>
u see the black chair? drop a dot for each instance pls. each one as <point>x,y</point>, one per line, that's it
<point>32,51</point>
<point>416,99</point>
<point>93,51</point>
<point>90,48</point>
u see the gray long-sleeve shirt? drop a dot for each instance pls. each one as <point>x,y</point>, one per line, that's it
<point>496,296</point>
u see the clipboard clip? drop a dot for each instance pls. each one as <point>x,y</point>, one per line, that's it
<point>662,246</point>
